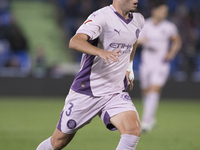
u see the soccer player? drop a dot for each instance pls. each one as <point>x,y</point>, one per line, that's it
<point>108,40</point>
<point>156,36</point>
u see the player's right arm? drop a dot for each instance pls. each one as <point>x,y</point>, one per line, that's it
<point>129,72</point>
<point>80,43</point>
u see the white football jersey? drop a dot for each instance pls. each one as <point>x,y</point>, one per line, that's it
<point>157,41</point>
<point>107,30</point>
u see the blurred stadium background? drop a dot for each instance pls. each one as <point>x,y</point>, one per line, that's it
<point>37,69</point>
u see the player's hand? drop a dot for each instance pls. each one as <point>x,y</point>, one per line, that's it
<point>130,78</point>
<point>110,56</point>
<point>168,57</point>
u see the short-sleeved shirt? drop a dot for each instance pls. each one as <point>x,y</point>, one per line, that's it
<point>107,30</point>
<point>158,40</point>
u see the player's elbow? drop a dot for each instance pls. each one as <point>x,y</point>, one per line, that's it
<point>178,42</point>
<point>77,41</point>
<point>72,44</point>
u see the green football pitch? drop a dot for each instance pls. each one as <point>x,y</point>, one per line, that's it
<point>26,121</point>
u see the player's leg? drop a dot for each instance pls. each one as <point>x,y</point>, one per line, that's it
<point>127,122</point>
<point>120,113</point>
<point>156,79</point>
<point>128,125</point>
<point>78,111</point>
<point>150,104</point>
<point>144,81</point>
<point>58,141</point>
<point>147,96</point>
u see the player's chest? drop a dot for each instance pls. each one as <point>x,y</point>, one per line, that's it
<point>157,33</point>
<point>120,31</point>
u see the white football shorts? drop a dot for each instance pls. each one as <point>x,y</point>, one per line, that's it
<point>153,75</point>
<point>80,109</point>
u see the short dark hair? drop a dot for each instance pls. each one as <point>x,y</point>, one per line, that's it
<point>156,3</point>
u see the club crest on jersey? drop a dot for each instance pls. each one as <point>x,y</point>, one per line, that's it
<point>71,124</point>
<point>126,97</point>
<point>87,21</point>
<point>137,32</point>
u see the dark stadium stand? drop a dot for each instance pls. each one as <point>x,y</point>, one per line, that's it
<point>59,87</point>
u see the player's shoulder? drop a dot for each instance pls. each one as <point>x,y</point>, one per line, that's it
<point>148,20</point>
<point>168,23</point>
<point>139,19</point>
<point>98,16</point>
<point>170,26</point>
<point>102,11</point>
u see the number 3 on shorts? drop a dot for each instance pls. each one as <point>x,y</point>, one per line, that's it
<point>68,113</point>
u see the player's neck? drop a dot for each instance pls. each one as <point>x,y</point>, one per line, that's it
<point>120,11</point>
<point>156,21</point>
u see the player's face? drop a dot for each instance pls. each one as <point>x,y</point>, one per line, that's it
<point>129,5</point>
<point>161,12</point>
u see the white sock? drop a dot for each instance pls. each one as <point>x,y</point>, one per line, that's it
<point>144,98</point>
<point>45,145</point>
<point>150,106</point>
<point>128,142</point>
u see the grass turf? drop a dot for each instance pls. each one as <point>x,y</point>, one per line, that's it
<point>25,122</point>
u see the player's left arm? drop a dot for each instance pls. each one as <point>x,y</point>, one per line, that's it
<point>129,72</point>
<point>175,47</point>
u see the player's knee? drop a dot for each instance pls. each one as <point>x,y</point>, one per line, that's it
<point>137,131</point>
<point>134,130</point>
<point>131,128</point>
<point>155,88</point>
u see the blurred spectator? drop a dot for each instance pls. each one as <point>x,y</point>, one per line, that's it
<point>14,55</point>
<point>72,13</point>
<point>5,14</point>
<point>40,63</point>
<point>185,22</point>
<point>19,48</point>
<point>104,3</point>
<point>4,48</point>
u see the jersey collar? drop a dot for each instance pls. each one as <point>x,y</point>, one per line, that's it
<point>127,21</point>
